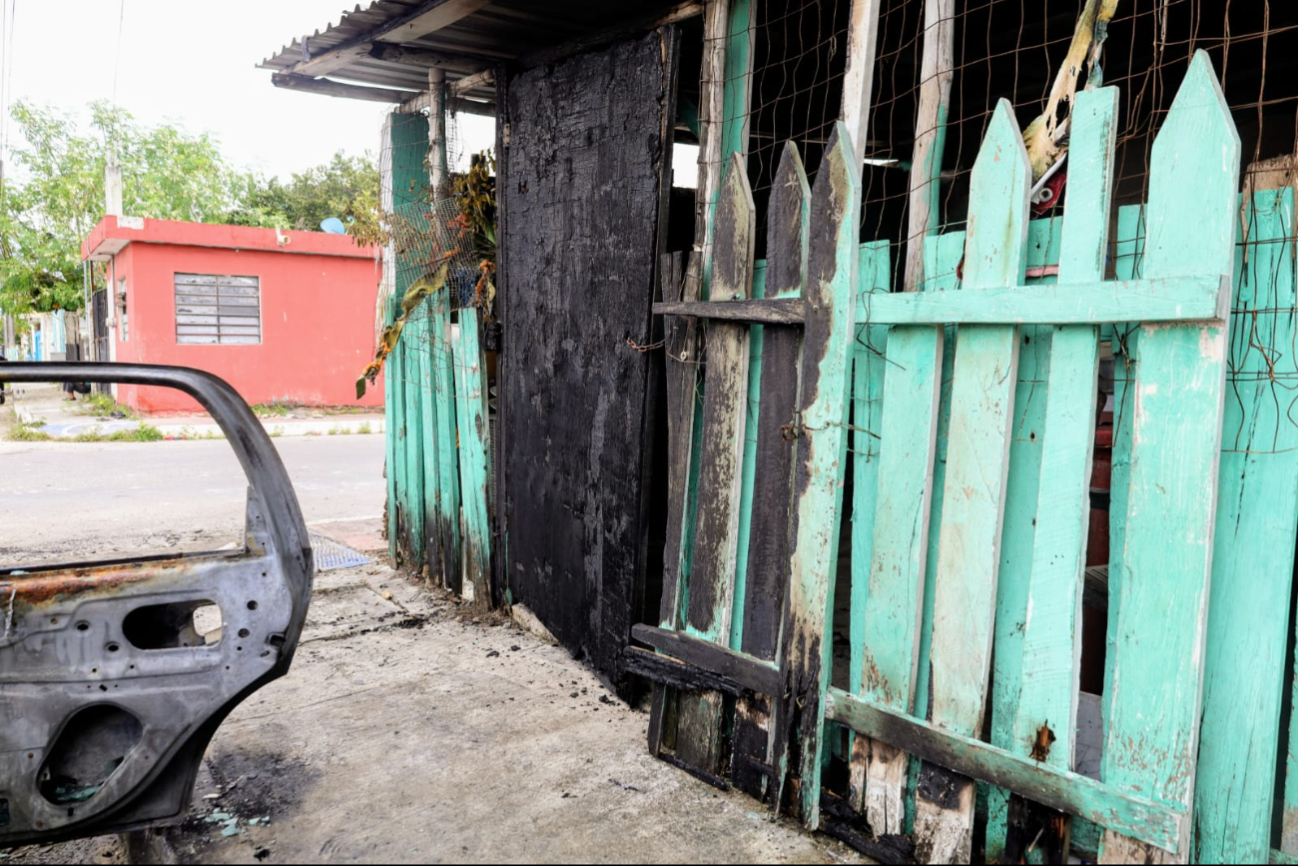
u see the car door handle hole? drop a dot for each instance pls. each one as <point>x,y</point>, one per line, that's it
<point>174,626</point>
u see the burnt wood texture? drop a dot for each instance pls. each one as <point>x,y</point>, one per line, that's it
<point>583,186</point>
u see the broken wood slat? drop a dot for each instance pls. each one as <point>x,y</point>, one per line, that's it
<point>1179,299</point>
<point>1156,823</point>
<point>1253,561</point>
<point>448,462</point>
<point>767,552</point>
<point>474,439</point>
<point>1044,725</point>
<point>691,678</point>
<point>982,401</point>
<point>758,676</point>
<point>1176,438</point>
<point>759,311</point>
<point>822,452</point>
<point>725,412</point>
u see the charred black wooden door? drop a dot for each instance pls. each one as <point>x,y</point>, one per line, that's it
<point>585,180</point>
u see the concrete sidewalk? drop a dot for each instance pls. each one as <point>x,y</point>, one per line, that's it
<point>46,408</point>
<point>413,730</point>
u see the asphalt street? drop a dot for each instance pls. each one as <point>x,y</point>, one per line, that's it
<point>69,502</point>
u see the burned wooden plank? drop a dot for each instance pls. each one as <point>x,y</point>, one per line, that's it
<point>758,311</point>
<point>725,415</point>
<point>768,549</point>
<point>758,676</point>
<point>682,348</point>
<point>820,465</point>
<point>681,675</point>
<point>841,821</point>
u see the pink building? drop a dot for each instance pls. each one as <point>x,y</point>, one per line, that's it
<point>281,316</point>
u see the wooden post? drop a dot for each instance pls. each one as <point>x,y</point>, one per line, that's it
<point>936,73</point>
<point>436,129</point>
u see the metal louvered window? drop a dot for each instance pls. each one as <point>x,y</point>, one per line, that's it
<point>212,311</point>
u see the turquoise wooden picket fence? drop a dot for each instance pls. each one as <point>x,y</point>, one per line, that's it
<point>438,459</point>
<point>972,424</point>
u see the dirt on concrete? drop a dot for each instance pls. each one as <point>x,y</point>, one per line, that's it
<point>412,731</point>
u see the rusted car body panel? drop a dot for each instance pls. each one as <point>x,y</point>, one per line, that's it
<point>108,694</point>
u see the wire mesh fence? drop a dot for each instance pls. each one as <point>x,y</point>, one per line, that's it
<point>433,253</point>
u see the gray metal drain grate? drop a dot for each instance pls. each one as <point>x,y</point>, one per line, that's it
<point>329,554</point>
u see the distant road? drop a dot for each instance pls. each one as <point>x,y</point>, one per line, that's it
<point>65,501</point>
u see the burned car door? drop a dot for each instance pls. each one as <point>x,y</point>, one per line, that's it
<point>109,690</point>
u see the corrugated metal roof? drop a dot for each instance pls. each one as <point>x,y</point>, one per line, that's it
<point>491,32</point>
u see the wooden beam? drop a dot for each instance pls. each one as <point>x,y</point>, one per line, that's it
<point>426,18</point>
<point>421,57</point>
<point>758,676</point>
<point>1063,790</point>
<point>307,84</point>
<point>677,14</point>
<point>1175,299</point>
<point>761,311</point>
<point>469,83</point>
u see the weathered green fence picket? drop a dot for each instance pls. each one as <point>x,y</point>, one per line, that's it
<point>1253,556</point>
<point>1014,505</point>
<point>474,440</point>
<point>978,453</point>
<point>1046,707</point>
<point>1176,436</point>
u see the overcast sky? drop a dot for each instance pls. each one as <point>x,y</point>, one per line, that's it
<point>195,64</point>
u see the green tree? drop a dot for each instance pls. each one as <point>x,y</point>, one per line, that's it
<point>54,194</point>
<point>345,187</point>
